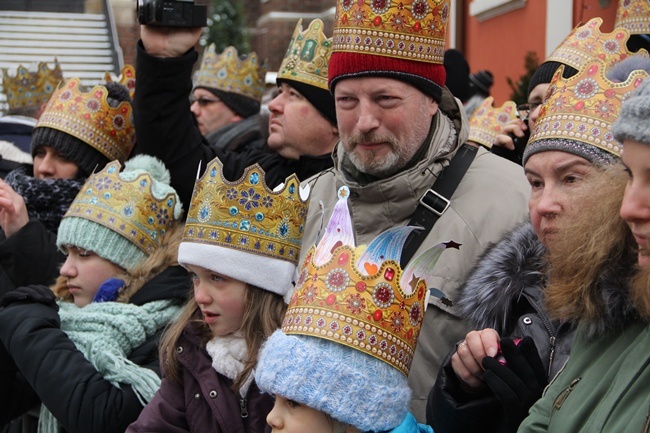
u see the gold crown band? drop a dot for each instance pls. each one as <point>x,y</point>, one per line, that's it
<point>488,121</point>
<point>28,89</point>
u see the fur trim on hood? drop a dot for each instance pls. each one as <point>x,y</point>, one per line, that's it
<point>502,272</point>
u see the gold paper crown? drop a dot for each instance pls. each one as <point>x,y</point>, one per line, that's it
<point>405,29</point>
<point>27,88</point>
<point>585,43</point>
<point>229,73</point>
<point>126,78</point>
<point>128,207</point>
<point>89,117</point>
<point>246,215</point>
<point>361,297</point>
<point>308,56</point>
<point>633,15</point>
<point>488,121</point>
<point>584,107</point>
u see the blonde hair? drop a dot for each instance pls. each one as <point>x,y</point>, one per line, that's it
<point>263,315</point>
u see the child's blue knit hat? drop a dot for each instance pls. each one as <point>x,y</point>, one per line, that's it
<point>122,216</point>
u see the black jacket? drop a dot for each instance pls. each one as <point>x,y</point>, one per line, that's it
<point>165,128</point>
<point>41,364</point>
<point>504,292</point>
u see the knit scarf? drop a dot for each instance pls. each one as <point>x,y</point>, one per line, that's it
<point>228,355</point>
<point>106,333</point>
<point>47,200</point>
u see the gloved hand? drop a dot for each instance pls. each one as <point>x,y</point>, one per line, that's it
<point>34,294</point>
<point>109,290</point>
<point>519,384</point>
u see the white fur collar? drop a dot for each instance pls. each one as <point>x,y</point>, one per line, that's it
<point>229,355</point>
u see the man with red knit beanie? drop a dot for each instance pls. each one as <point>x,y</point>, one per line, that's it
<point>399,127</point>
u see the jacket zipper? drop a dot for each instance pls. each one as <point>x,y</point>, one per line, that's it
<point>242,407</point>
<point>559,401</point>
<point>551,331</point>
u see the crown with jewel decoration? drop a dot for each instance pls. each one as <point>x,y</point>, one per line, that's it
<point>308,55</point>
<point>126,78</point>
<point>27,88</point>
<point>360,296</point>
<point>584,107</point>
<point>488,121</point>
<point>586,42</point>
<point>406,29</point>
<point>229,73</point>
<point>88,116</point>
<point>633,15</point>
<point>127,205</point>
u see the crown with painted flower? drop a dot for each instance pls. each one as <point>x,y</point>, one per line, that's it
<point>228,73</point>
<point>123,216</point>
<point>633,15</point>
<point>361,297</point>
<point>126,78</point>
<point>308,56</point>
<point>88,116</point>
<point>31,88</point>
<point>488,121</point>
<point>587,42</point>
<point>578,113</point>
<point>245,230</point>
<point>403,37</point>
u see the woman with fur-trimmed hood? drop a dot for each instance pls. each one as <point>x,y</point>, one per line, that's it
<point>90,357</point>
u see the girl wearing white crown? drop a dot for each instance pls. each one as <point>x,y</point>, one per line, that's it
<point>240,244</point>
<point>88,362</point>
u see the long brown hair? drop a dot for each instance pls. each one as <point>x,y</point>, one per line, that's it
<point>262,316</point>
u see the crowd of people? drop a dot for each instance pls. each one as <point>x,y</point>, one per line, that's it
<point>385,255</point>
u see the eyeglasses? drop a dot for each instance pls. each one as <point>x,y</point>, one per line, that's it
<point>202,101</point>
<point>524,110</point>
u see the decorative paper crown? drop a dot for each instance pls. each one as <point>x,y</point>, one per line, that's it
<point>362,298</point>
<point>584,107</point>
<point>126,78</point>
<point>634,15</point>
<point>487,121</point>
<point>27,88</point>
<point>229,73</point>
<point>89,117</point>
<point>308,55</point>
<point>246,215</point>
<point>585,43</point>
<point>405,29</point>
<point>129,208</point>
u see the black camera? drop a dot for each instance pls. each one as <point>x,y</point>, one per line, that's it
<point>172,13</point>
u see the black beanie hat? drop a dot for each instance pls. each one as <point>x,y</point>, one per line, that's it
<point>321,99</point>
<point>242,105</point>
<point>457,70</point>
<point>544,74</point>
<point>482,81</point>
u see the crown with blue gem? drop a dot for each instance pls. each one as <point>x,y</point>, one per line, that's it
<point>245,230</point>
<point>31,88</point>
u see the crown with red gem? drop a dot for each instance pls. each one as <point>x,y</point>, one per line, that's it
<point>229,73</point>
<point>360,296</point>
<point>308,56</point>
<point>488,121</point>
<point>88,116</point>
<point>584,107</point>
<point>404,29</point>
<point>633,15</point>
<point>126,78</point>
<point>586,42</point>
<point>29,88</point>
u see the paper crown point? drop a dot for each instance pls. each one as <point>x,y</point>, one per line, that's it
<point>634,16</point>
<point>126,78</point>
<point>409,29</point>
<point>246,214</point>
<point>584,107</point>
<point>308,55</point>
<point>587,42</point>
<point>128,207</point>
<point>229,73</point>
<point>488,121</point>
<point>88,116</point>
<point>361,297</point>
<point>27,88</point>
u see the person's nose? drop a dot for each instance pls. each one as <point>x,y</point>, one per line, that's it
<point>68,270</point>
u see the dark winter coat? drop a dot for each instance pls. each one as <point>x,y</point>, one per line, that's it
<point>165,128</point>
<point>504,292</point>
<point>204,402</point>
